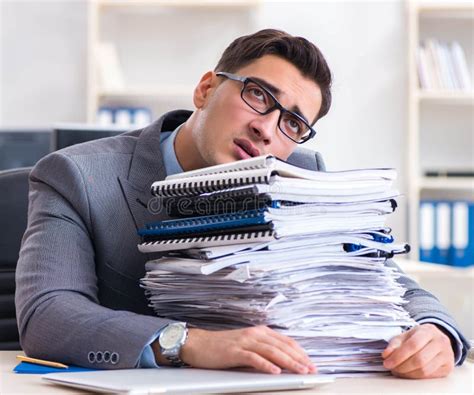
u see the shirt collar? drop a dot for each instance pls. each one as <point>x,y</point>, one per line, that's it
<point>172,165</point>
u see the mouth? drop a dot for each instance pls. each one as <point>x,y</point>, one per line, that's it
<point>247,149</point>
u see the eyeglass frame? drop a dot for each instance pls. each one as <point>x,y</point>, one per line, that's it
<point>276,106</point>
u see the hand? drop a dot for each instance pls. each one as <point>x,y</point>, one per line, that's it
<point>258,347</point>
<point>422,352</point>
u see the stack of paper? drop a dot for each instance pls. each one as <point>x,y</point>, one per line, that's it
<point>314,271</point>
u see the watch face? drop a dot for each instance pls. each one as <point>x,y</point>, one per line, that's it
<point>172,336</point>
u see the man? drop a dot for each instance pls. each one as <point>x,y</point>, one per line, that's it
<point>78,297</point>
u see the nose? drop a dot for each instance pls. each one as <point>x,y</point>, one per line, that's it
<point>265,126</point>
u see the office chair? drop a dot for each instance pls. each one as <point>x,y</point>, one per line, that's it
<point>13,217</point>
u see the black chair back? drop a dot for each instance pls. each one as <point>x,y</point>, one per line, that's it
<point>13,220</point>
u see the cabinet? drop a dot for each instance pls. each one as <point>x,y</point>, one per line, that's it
<point>441,120</point>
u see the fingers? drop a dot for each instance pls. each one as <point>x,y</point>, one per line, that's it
<point>249,358</point>
<point>426,352</point>
<point>278,349</point>
<point>420,359</point>
<point>412,343</point>
<point>430,371</point>
<point>396,342</point>
<point>290,347</point>
<point>258,347</point>
<point>281,358</point>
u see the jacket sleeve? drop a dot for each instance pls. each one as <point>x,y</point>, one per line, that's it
<point>58,310</point>
<point>320,162</point>
<point>424,307</point>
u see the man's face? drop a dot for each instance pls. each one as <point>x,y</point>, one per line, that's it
<point>227,129</point>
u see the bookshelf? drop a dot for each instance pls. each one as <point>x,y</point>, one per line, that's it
<point>462,98</point>
<point>432,112</point>
<point>161,48</point>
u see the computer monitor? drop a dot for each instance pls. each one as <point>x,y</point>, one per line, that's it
<point>23,147</point>
<point>65,135</point>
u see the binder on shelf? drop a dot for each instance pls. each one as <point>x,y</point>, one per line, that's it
<point>133,117</point>
<point>142,116</point>
<point>461,67</point>
<point>105,116</point>
<point>427,231</point>
<point>462,251</point>
<point>443,232</point>
<point>442,66</point>
<point>447,232</point>
<point>123,117</point>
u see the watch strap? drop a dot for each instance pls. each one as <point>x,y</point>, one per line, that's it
<point>172,355</point>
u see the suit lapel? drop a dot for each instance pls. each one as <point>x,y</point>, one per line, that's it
<point>147,166</point>
<point>137,201</point>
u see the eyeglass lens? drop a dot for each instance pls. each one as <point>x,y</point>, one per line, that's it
<point>258,99</point>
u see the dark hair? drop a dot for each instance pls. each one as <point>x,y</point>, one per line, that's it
<point>297,50</point>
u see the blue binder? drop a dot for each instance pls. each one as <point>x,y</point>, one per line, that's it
<point>427,231</point>
<point>442,247</point>
<point>205,224</point>
<point>462,251</point>
<point>32,368</point>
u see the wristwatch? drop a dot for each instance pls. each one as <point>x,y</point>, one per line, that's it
<point>171,339</point>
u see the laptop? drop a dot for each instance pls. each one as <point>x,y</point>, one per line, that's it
<point>183,381</point>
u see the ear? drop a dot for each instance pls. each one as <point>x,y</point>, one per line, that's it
<point>204,88</point>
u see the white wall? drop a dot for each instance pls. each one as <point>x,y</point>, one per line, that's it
<point>43,54</point>
<point>365,45</point>
<point>44,72</point>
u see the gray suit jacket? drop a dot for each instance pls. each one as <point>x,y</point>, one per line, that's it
<point>78,298</point>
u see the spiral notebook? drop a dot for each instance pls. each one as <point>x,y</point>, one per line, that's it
<point>205,224</point>
<point>272,163</point>
<point>287,219</point>
<point>207,241</point>
<point>270,170</point>
<point>259,227</point>
<point>252,197</point>
<point>375,239</point>
<point>220,202</point>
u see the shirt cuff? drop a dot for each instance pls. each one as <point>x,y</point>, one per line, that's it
<point>458,346</point>
<point>147,357</point>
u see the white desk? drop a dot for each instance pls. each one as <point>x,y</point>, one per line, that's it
<point>461,381</point>
<point>434,277</point>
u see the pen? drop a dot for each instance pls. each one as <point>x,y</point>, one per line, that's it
<point>41,362</point>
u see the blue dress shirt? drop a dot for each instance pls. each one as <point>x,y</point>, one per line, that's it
<point>172,166</point>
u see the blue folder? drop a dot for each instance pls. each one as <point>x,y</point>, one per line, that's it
<point>442,247</point>
<point>462,251</point>
<point>32,368</point>
<point>205,223</point>
<point>427,227</point>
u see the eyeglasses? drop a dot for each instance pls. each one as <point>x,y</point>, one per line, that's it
<point>261,100</point>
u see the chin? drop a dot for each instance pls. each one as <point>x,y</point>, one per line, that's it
<point>220,157</point>
<point>225,159</point>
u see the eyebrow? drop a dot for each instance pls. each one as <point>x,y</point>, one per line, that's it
<point>277,92</point>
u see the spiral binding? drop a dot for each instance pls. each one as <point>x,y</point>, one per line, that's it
<point>191,188</point>
<point>206,241</point>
